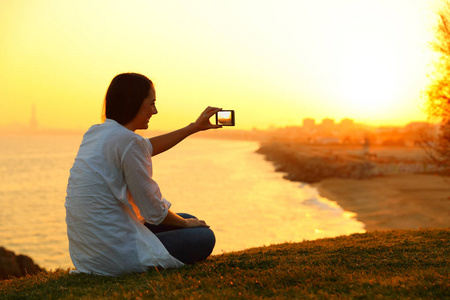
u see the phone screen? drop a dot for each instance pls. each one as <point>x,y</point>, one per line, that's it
<point>225,118</point>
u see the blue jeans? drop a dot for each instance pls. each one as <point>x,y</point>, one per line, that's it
<point>188,245</point>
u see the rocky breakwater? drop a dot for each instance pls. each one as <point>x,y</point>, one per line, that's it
<point>302,163</point>
<point>12,265</point>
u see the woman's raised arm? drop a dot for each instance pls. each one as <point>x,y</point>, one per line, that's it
<point>166,141</point>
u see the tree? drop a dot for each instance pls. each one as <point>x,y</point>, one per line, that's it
<point>438,92</point>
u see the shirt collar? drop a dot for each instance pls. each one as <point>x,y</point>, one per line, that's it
<point>111,121</point>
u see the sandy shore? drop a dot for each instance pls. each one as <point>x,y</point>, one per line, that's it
<point>410,201</point>
<point>389,189</point>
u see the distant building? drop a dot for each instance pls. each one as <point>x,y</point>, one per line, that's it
<point>415,126</point>
<point>33,121</point>
<point>308,124</point>
<point>346,124</point>
<point>327,124</point>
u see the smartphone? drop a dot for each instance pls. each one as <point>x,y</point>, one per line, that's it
<point>225,118</point>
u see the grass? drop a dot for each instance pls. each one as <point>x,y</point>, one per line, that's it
<point>400,264</point>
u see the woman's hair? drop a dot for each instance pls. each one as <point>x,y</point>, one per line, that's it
<point>125,95</point>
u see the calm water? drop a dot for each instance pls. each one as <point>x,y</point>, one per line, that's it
<point>226,183</point>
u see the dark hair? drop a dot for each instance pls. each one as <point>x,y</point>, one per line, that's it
<point>125,95</point>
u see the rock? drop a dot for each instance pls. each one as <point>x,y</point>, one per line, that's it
<point>16,266</point>
<point>8,264</point>
<point>27,265</point>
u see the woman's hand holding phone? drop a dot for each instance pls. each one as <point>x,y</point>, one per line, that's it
<point>203,123</point>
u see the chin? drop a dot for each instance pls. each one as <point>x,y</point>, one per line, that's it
<point>142,127</point>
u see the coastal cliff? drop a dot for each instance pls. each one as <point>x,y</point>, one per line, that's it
<point>399,264</point>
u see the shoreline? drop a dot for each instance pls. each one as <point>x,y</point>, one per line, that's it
<point>393,200</point>
<point>410,201</point>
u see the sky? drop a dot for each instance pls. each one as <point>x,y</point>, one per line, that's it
<point>273,62</point>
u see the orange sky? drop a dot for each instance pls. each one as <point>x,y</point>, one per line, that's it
<point>273,62</point>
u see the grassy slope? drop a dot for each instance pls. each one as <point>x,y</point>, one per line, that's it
<point>391,264</point>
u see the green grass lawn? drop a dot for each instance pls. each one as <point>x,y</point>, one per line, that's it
<point>410,264</point>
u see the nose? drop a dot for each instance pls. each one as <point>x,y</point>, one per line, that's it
<point>154,110</point>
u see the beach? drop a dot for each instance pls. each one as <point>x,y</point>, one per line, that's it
<point>392,188</point>
<point>407,201</point>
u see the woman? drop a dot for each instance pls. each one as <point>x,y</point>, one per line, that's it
<point>117,220</point>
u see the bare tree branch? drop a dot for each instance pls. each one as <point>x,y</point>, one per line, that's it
<point>438,92</point>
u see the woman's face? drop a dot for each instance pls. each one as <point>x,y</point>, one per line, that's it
<point>146,111</point>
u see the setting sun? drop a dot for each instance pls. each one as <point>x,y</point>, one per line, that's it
<point>378,69</point>
<point>275,62</point>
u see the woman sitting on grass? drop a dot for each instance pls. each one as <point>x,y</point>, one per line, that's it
<point>117,220</point>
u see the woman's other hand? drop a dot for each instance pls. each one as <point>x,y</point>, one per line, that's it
<point>203,123</point>
<point>173,219</point>
<point>195,223</point>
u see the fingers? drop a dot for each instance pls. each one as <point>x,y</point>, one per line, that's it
<point>203,122</point>
<point>210,111</point>
<point>203,224</point>
<point>197,223</point>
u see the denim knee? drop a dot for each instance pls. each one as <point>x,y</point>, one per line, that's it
<point>189,245</point>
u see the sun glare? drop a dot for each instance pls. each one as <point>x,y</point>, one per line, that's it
<point>369,79</point>
<point>374,55</point>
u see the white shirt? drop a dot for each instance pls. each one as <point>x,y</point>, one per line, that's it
<point>110,192</point>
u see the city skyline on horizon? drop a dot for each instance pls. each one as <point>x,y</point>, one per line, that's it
<point>33,124</point>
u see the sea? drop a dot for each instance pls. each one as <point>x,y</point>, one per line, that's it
<point>224,182</point>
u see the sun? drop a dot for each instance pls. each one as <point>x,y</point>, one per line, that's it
<point>368,77</point>
<point>375,60</point>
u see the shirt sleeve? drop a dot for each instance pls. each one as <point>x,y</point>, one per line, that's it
<point>137,169</point>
